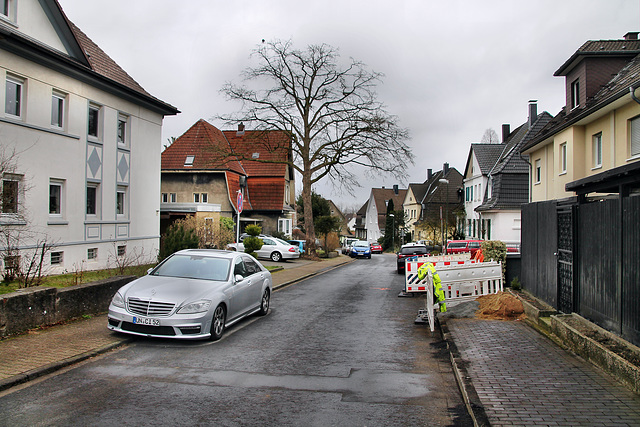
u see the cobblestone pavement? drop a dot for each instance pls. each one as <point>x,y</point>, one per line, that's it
<point>524,379</point>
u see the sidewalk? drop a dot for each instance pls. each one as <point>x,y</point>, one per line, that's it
<point>511,375</point>
<point>42,351</point>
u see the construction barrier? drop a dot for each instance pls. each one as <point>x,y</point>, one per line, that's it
<point>461,280</point>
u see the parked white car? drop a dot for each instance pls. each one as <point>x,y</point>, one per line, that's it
<point>272,248</point>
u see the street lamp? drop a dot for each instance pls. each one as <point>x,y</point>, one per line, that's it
<point>444,240</point>
<point>393,231</point>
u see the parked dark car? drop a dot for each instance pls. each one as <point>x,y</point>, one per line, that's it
<point>407,251</point>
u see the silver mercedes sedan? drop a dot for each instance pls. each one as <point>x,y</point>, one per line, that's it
<point>193,294</point>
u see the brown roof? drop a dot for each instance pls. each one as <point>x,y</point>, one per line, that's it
<point>232,152</point>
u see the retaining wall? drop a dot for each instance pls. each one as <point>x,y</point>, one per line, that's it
<point>32,307</point>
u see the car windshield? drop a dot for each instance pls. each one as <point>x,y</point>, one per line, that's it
<point>195,267</point>
<point>361,244</point>
<point>413,250</point>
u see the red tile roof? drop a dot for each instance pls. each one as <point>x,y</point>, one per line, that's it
<point>232,152</point>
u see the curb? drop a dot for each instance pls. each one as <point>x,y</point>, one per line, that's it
<point>469,394</point>
<point>56,366</point>
<point>306,276</point>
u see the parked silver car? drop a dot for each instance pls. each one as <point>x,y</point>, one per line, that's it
<point>193,294</point>
<point>272,248</point>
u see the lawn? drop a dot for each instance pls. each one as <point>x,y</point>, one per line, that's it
<point>70,279</point>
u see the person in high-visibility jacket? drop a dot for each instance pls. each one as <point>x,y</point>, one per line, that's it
<point>438,293</point>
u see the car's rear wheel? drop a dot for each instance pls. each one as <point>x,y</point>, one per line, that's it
<point>276,256</point>
<point>264,304</point>
<point>218,322</point>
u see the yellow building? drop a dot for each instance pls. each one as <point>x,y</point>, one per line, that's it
<point>599,128</point>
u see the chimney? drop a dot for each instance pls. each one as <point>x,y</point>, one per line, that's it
<point>429,173</point>
<point>631,36</point>
<point>445,169</point>
<point>533,111</point>
<point>506,130</point>
<point>395,189</point>
<point>240,129</point>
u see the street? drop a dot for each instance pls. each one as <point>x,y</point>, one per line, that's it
<point>338,349</point>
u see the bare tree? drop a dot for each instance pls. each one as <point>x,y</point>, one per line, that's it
<point>490,137</point>
<point>330,111</point>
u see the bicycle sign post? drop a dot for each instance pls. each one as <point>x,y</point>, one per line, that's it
<point>239,202</point>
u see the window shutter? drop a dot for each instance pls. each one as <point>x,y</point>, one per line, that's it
<point>635,136</point>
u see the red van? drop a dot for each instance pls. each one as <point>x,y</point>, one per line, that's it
<point>461,246</point>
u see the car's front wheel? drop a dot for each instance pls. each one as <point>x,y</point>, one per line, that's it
<point>264,304</point>
<point>276,256</point>
<point>218,322</point>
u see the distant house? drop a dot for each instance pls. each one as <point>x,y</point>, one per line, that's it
<point>335,211</point>
<point>375,213</point>
<point>505,186</point>
<point>205,168</point>
<point>87,138</point>
<point>441,206</point>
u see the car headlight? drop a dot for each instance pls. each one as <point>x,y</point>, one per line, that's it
<point>195,307</point>
<point>117,300</point>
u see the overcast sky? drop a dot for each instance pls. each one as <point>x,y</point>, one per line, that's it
<point>453,68</point>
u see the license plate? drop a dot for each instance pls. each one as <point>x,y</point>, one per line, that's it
<point>146,321</point>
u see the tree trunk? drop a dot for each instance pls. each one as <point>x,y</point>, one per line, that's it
<point>308,213</point>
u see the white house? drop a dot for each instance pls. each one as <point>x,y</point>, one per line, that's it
<point>82,141</point>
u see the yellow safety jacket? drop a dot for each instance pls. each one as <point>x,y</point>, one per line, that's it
<point>438,293</point>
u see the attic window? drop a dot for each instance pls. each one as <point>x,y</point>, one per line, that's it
<point>255,156</point>
<point>575,94</point>
<point>189,160</point>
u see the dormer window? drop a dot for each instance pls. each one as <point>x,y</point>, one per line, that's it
<point>575,94</point>
<point>189,160</point>
<point>255,156</point>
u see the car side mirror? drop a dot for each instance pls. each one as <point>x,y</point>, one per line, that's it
<point>150,270</point>
<point>238,278</point>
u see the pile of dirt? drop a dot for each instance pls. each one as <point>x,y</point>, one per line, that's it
<point>500,306</point>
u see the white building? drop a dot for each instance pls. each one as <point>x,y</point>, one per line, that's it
<point>86,171</point>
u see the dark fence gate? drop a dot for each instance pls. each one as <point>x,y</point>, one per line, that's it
<point>585,258</point>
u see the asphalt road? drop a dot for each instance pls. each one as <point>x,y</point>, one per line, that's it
<point>339,349</point>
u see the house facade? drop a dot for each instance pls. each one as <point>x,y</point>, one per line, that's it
<point>82,140</point>
<point>204,170</point>
<point>507,183</point>
<point>584,188</point>
<point>599,128</point>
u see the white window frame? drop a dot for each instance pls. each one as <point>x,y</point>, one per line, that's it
<point>597,150</point>
<point>173,197</point>
<point>121,201</point>
<point>57,258</point>
<point>164,198</point>
<point>20,95</point>
<point>59,183</point>
<point>97,110</point>
<point>8,11</point>
<point>17,179</point>
<point>575,93</point>
<point>196,197</point>
<point>188,161</point>
<point>285,225</point>
<point>122,250</point>
<point>58,106</point>
<point>92,254</point>
<point>97,207</point>
<point>538,171</point>
<point>204,198</point>
<point>122,131</point>
<point>563,158</point>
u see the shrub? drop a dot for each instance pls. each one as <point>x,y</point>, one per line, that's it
<point>177,237</point>
<point>252,243</point>
<point>515,284</point>
<point>495,250</point>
